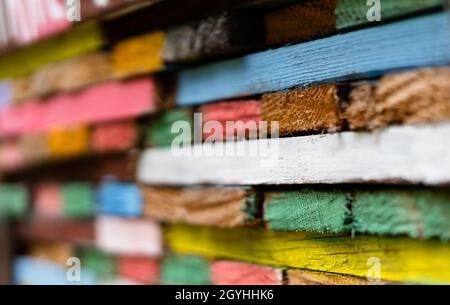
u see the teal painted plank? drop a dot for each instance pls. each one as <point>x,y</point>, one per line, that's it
<point>422,41</point>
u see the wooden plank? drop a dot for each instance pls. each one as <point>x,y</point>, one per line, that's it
<point>218,35</point>
<point>14,201</point>
<point>415,97</point>
<point>129,237</point>
<point>217,115</point>
<point>401,259</point>
<point>82,39</point>
<point>159,132</point>
<point>348,157</point>
<point>315,109</point>
<point>185,270</point>
<point>138,55</point>
<point>114,137</point>
<point>306,277</point>
<point>302,21</point>
<point>238,273</point>
<point>303,64</point>
<point>352,13</point>
<point>120,199</point>
<point>139,269</point>
<point>68,75</point>
<point>98,104</point>
<point>416,213</point>
<point>221,207</point>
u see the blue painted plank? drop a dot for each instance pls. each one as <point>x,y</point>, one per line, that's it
<point>120,199</point>
<point>35,271</point>
<point>417,42</point>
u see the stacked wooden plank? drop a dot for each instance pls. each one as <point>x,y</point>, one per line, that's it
<point>253,142</point>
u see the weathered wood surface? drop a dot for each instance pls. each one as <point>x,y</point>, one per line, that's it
<point>341,57</point>
<point>401,259</point>
<point>404,154</point>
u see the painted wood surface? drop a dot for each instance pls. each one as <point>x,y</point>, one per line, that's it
<point>112,137</point>
<point>416,213</point>
<point>129,237</point>
<point>102,265</point>
<point>238,273</point>
<point>402,259</point>
<point>348,157</point>
<point>68,142</point>
<point>306,277</point>
<point>185,270</point>
<point>352,13</point>
<point>220,207</point>
<point>159,132</point>
<point>14,200</point>
<point>33,271</point>
<point>102,103</point>
<point>79,201</point>
<point>139,269</point>
<point>6,93</point>
<point>303,64</point>
<point>120,199</point>
<point>83,39</point>
<point>137,55</point>
<point>246,111</point>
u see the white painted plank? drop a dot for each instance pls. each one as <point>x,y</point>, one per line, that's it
<point>408,154</point>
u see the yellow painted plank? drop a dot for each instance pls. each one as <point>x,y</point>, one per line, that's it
<point>401,259</point>
<point>138,55</point>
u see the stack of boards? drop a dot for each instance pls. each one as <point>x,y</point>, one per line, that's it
<point>246,142</point>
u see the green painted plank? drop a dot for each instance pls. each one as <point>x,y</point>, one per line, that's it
<point>159,134</point>
<point>78,200</point>
<point>351,13</point>
<point>307,210</point>
<point>103,265</point>
<point>185,270</point>
<point>421,213</point>
<point>13,200</point>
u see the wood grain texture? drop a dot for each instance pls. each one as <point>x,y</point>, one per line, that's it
<point>219,207</point>
<point>352,13</point>
<point>306,277</point>
<point>416,213</point>
<point>246,111</point>
<point>341,57</point>
<point>301,21</point>
<point>315,109</point>
<point>348,157</point>
<point>416,97</point>
<point>138,55</point>
<point>222,34</point>
<point>402,259</point>
<point>238,273</point>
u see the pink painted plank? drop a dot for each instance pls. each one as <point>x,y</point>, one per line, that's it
<point>245,111</point>
<point>236,273</point>
<point>103,103</point>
